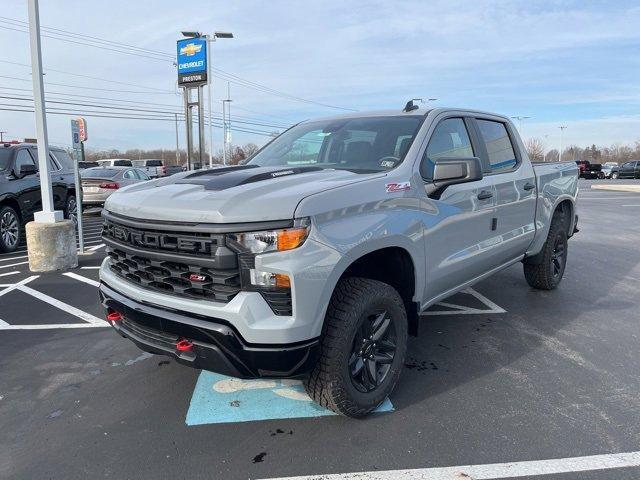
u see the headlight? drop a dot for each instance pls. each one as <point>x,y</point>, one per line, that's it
<point>275,240</point>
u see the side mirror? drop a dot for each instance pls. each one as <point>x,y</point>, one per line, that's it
<point>452,171</point>
<point>27,169</point>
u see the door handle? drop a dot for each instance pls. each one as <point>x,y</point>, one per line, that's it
<point>529,186</point>
<point>484,195</point>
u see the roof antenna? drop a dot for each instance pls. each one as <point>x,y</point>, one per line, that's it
<point>410,106</point>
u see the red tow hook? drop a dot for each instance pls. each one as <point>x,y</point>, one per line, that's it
<point>114,316</point>
<point>184,346</point>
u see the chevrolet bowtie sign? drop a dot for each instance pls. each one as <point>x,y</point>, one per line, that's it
<point>192,61</point>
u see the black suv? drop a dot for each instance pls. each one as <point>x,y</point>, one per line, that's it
<point>20,189</point>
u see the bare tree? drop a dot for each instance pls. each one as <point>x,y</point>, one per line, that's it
<point>535,149</point>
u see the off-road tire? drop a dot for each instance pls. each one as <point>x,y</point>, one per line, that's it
<point>6,215</point>
<point>540,275</point>
<point>330,383</point>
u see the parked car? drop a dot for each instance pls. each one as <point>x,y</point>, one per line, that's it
<point>115,162</point>
<point>20,189</point>
<point>152,167</point>
<point>316,258</point>
<point>83,165</point>
<point>589,170</point>
<point>630,169</point>
<point>100,182</point>
<point>610,169</point>
<point>173,169</point>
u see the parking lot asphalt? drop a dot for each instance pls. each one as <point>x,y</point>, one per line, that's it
<point>501,373</point>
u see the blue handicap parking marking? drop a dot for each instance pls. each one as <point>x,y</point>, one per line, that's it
<point>221,399</point>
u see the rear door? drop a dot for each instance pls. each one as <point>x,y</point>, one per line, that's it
<point>458,223</point>
<point>514,181</point>
<point>626,170</point>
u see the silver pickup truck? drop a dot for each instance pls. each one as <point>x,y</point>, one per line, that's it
<point>315,259</point>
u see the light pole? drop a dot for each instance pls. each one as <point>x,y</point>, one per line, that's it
<point>210,39</point>
<point>1,136</point>
<point>544,148</point>
<point>562,129</point>
<point>520,118</point>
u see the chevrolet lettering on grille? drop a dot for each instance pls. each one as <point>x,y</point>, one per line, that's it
<point>163,241</point>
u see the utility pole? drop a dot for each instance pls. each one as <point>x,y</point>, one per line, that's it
<point>544,148</point>
<point>1,136</point>
<point>562,129</point>
<point>177,142</point>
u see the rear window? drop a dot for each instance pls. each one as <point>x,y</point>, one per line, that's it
<point>502,157</point>
<point>122,163</point>
<point>99,173</point>
<point>5,156</point>
<point>154,163</point>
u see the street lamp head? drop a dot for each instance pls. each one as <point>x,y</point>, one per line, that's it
<point>191,34</point>
<point>223,35</point>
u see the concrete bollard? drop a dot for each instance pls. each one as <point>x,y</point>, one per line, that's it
<point>51,246</point>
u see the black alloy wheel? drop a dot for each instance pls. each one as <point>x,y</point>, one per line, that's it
<point>373,351</point>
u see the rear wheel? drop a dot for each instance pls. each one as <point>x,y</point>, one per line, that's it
<point>614,175</point>
<point>9,229</point>
<point>364,343</point>
<point>548,271</point>
<point>71,209</point>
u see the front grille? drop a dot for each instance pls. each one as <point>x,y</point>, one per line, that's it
<point>176,277</point>
<point>185,264</point>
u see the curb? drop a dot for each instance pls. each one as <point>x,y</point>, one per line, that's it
<point>618,188</point>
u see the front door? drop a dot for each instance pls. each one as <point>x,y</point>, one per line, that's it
<point>458,224</point>
<point>28,187</point>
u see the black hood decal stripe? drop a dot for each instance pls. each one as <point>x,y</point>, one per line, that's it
<point>229,177</point>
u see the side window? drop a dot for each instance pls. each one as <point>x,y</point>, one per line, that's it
<point>53,164</point>
<point>450,139</point>
<point>142,175</point>
<point>63,159</point>
<point>23,157</point>
<point>130,174</point>
<point>502,157</point>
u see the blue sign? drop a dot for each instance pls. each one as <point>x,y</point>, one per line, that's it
<point>192,60</point>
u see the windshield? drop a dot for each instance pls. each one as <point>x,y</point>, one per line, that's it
<point>370,144</point>
<point>5,155</point>
<point>99,173</point>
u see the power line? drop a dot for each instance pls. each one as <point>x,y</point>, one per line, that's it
<point>165,56</point>
<point>132,109</point>
<point>26,109</point>
<point>87,76</point>
<point>125,101</point>
<point>91,88</point>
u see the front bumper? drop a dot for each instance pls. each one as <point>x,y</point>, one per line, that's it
<point>217,346</point>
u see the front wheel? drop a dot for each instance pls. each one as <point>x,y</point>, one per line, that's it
<point>614,175</point>
<point>547,273</point>
<point>364,343</point>
<point>9,230</point>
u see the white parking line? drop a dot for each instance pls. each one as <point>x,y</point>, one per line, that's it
<point>96,247</point>
<point>13,258</point>
<point>463,309</point>
<point>13,264</point>
<point>50,326</point>
<point>90,268</point>
<point>3,323</point>
<point>631,205</point>
<point>495,470</point>
<point>20,284</point>
<point>87,317</point>
<point>80,278</point>
<point>9,273</point>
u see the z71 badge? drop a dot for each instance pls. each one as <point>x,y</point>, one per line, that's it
<point>397,187</point>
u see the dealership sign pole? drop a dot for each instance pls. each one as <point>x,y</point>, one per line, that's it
<point>192,74</point>
<point>78,136</point>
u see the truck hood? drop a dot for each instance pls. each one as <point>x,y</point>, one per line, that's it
<point>228,195</point>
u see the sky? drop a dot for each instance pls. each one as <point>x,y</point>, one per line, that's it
<point>570,63</point>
